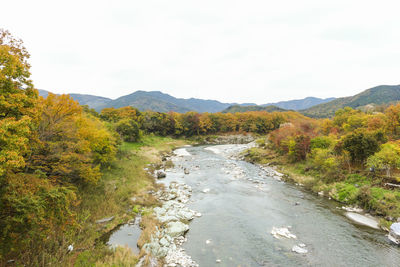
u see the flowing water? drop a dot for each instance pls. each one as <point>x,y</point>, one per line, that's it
<point>240,204</point>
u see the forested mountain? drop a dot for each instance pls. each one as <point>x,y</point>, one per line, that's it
<point>158,101</point>
<point>239,108</point>
<point>383,94</point>
<point>161,102</point>
<point>154,100</point>
<point>300,104</point>
<point>310,106</point>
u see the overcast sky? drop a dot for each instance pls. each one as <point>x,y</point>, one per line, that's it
<point>233,51</point>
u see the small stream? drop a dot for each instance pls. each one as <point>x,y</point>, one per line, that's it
<point>240,205</point>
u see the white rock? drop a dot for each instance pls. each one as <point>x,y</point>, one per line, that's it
<point>394,233</point>
<point>299,250</point>
<point>282,232</point>
<point>176,229</point>
<point>181,152</point>
<point>206,190</point>
<point>164,242</point>
<point>208,241</point>
<point>218,261</point>
<point>363,219</point>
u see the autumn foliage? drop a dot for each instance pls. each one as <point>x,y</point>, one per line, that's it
<point>49,149</point>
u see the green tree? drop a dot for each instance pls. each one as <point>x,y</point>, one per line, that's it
<point>388,158</point>
<point>129,130</point>
<point>360,146</point>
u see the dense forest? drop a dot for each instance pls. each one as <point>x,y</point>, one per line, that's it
<point>52,149</point>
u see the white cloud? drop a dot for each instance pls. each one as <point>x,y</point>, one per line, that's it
<point>233,51</point>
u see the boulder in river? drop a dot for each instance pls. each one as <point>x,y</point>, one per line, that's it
<point>366,220</point>
<point>161,174</point>
<point>282,232</point>
<point>299,249</point>
<point>394,233</point>
<point>185,171</point>
<point>176,229</point>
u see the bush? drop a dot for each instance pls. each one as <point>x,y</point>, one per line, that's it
<point>324,161</point>
<point>129,130</point>
<point>32,211</point>
<point>321,142</point>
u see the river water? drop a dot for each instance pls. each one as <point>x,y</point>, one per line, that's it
<point>240,205</point>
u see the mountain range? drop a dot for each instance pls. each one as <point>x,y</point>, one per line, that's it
<point>239,108</point>
<point>299,104</point>
<point>310,106</point>
<point>383,94</point>
<point>161,102</point>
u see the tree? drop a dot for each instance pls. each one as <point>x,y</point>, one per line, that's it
<point>360,146</point>
<point>191,123</point>
<point>72,145</point>
<point>321,142</point>
<point>18,100</point>
<point>302,147</point>
<point>129,130</point>
<point>114,115</point>
<point>388,158</point>
<point>393,120</point>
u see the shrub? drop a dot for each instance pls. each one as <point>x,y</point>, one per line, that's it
<point>129,130</point>
<point>320,142</point>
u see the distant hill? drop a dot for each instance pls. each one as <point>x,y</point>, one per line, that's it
<point>154,100</point>
<point>158,101</point>
<point>239,108</point>
<point>383,94</point>
<point>300,104</point>
<point>96,102</point>
<point>43,93</point>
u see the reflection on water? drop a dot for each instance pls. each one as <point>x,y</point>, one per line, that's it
<point>125,235</point>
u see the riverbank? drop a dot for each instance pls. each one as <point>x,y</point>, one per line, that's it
<point>357,189</point>
<point>120,195</point>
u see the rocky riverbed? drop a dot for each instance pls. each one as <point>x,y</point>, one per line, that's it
<point>166,242</point>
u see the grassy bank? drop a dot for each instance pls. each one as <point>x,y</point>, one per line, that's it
<point>122,193</point>
<point>357,187</point>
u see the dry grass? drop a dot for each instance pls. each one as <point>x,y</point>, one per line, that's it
<point>122,257</point>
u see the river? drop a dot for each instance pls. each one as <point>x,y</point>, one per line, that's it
<point>240,205</point>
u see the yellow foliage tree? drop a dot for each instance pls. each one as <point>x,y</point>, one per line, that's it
<point>18,100</point>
